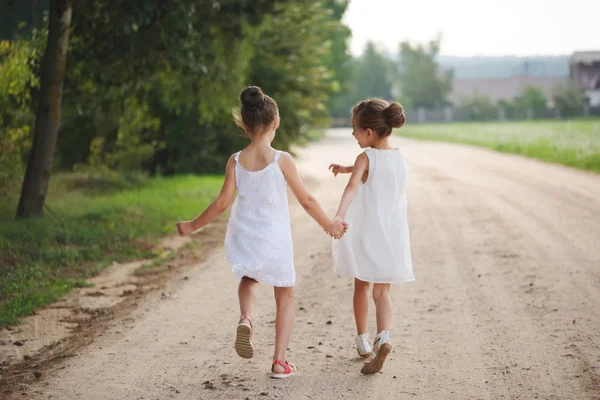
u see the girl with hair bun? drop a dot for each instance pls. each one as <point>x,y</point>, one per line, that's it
<point>258,242</point>
<point>376,248</point>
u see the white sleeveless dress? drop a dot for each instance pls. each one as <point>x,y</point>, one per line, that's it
<point>258,242</point>
<point>376,247</point>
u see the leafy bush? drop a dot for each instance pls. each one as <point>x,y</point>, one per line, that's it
<point>568,99</point>
<point>18,80</point>
<point>479,108</point>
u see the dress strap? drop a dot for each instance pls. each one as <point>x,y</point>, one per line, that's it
<point>237,156</point>
<point>277,156</point>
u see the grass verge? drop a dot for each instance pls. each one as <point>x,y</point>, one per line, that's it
<point>44,258</point>
<point>575,143</point>
<point>154,264</point>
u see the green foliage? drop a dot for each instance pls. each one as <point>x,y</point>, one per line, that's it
<point>371,75</point>
<point>374,74</point>
<point>532,103</point>
<point>152,266</point>
<point>17,83</point>
<point>339,60</point>
<point>290,64</point>
<point>568,99</point>
<point>151,83</point>
<point>479,108</point>
<point>18,18</point>
<point>422,81</point>
<point>510,108</point>
<point>532,99</point>
<point>128,151</point>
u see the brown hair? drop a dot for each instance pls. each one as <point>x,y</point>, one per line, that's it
<point>258,110</point>
<point>379,116</point>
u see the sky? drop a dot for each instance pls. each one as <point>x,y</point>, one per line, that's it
<point>478,27</point>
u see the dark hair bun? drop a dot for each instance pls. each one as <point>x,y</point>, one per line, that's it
<point>394,115</point>
<point>252,98</point>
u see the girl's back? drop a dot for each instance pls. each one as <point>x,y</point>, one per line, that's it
<point>261,187</point>
<point>386,182</point>
<point>259,240</point>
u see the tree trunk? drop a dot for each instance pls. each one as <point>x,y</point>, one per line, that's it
<point>47,123</point>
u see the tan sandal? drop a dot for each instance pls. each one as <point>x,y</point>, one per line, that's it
<point>243,338</point>
<point>383,344</point>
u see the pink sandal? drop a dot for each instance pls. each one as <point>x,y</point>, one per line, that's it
<point>290,369</point>
<point>243,338</point>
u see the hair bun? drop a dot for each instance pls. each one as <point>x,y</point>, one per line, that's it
<point>252,98</point>
<point>394,115</point>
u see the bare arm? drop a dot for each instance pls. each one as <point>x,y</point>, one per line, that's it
<point>340,169</point>
<point>360,167</point>
<point>217,207</point>
<point>306,200</point>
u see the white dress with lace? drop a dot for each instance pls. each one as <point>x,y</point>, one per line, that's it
<point>258,242</point>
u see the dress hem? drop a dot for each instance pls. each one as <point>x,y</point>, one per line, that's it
<point>271,283</point>
<point>377,281</point>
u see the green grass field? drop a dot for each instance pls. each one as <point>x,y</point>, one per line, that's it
<point>44,258</point>
<point>575,143</point>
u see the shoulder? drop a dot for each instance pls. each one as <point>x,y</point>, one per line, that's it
<point>363,157</point>
<point>285,156</point>
<point>233,158</point>
<point>286,163</point>
<point>231,161</point>
<point>286,159</point>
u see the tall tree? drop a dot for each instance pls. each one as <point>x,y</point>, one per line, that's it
<point>151,83</point>
<point>291,63</point>
<point>182,62</point>
<point>374,73</point>
<point>422,81</point>
<point>54,64</point>
<point>339,58</point>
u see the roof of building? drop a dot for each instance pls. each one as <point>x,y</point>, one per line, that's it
<point>586,57</point>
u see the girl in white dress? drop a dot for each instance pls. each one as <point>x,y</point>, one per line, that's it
<point>376,248</point>
<point>259,240</point>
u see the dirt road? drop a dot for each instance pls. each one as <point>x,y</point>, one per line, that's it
<point>506,303</point>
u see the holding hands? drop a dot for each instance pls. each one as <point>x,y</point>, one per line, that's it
<point>338,225</point>
<point>338,228</point>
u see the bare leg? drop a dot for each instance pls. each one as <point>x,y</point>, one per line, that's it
<point>361,305</point>
<point>383,305</point>
<point>247,291</point>
<point>284,321</point>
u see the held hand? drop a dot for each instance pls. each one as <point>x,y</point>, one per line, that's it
<point>184,228</point>
<point>338,228</point>
<point>336,169</point>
